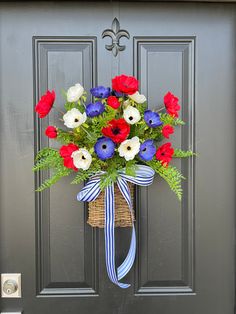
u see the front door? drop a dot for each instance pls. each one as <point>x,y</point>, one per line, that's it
<point>185,254</point>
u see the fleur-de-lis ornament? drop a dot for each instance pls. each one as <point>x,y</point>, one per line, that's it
<point>115,33</point>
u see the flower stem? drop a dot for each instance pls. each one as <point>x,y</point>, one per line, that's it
<point>89,135</point>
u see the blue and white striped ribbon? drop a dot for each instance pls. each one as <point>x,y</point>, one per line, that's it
<point>144,176</point>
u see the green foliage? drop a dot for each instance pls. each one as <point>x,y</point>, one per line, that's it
<point>171,175</point>
<point>47,158</point>
<point>69,105</point>
<point>59,172</point>
<point>130,167</point>
<point>179,153</point>
<point>108,178</point>
<point>65,137</point>
<point>83,175</point>
<point>141,107</point>
<point>102,120</point>
<point>167,119</point>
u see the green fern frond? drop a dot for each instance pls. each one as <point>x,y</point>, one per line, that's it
<point>167,119</point>
<point>47,158</point>
<point>81,176</point>
<point>171,175</point>
<point>179,153</point>
<point>59,173</point>
<point>65,137</point>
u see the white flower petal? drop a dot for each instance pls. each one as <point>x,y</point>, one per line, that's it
<point>131,115</point>
<point>74,93</point>
<point>138,98</point>
<point>82,159</point>
<point>129,148</point>
<point>74,118</point>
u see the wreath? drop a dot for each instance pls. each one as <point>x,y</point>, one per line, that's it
<point>113,143</point>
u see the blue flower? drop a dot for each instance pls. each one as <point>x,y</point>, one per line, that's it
<point>147,150</point>
<point>104,148</point>
<point>152,119</point>
<point>93,110</point>
<point>100,91</point>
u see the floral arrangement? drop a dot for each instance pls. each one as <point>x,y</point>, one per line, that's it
<point>116,131</point>
<point>113,139</point>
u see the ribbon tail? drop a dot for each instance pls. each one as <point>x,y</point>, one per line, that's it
<point>127,264</point>
<point>125,267</point>
<point>109,231</point>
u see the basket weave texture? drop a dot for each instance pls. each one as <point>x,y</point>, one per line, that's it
<point>123,216</point>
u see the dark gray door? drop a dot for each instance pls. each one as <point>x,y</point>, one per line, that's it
<point>185,256</point>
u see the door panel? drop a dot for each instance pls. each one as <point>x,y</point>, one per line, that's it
<point>185,254</point>
<point>67,248</point>
<point>166,228</point>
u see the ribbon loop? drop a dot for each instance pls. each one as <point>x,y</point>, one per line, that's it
<point>144,177</point>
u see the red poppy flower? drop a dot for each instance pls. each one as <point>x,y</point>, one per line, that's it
<point>45,104</point>
<point>113,102</point>
<point>66,152</point>
<point>118,130</point>
<point>51,131</point>
<point>172,104</point>
<point>167,130</point>
<point>125,84</point>
<point>164,153</point>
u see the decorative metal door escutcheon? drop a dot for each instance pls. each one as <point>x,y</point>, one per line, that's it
<point>115,33</point>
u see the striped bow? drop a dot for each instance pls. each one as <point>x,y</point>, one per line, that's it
<point>144,177</point>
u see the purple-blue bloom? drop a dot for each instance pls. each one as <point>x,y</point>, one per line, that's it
<point>147,150</point>
<point>94,109</point>
<point>104,148</point>
<point>100,91</point>
<point>152,119</point>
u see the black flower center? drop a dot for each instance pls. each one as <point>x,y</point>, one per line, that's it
<point>76,120</point>
<point>104,146</point>
<point>83,158</point>
<point>116,131</point>
<point>130,118</point>
<point>128,148</point>
<point>144,150</point>
<point>150,121</point>
<point>162,154</point>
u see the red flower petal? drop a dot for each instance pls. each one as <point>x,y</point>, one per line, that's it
<point>51,132</point>
<point>45,104</point>
<point>164,153</point>
<point>118,130</point>
<point>171,104</point>
<point>167,130</point>
<point>125,84</point>
<point>113,102</point>
<point>65,152</point>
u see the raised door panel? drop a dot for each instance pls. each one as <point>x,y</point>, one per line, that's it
<point>165,262</point>
<point>67,246</point>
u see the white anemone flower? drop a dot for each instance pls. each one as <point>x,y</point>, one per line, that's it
<point>129,148</point>
<point>131,115</point>
<point>74,93</point>
<point>138,98</point>
<point>82,159</point>
<point>74,118</point>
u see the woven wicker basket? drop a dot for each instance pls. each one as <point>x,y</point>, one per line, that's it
<point>123,217</point>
